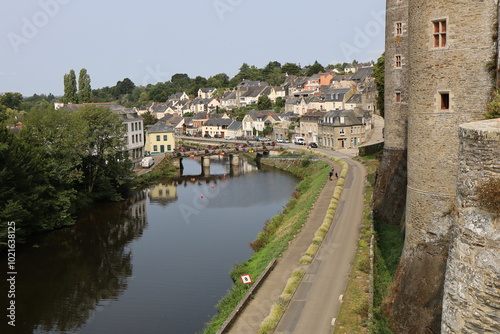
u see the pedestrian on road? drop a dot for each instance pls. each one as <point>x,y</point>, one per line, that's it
<point>336,175</point>
<point>331,174</point>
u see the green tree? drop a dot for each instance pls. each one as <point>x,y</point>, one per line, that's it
<point>70,92</point>
<point>379,74</point>
<point>264,103</point>
<point>315,68</point>
<point>180,83</point>
<point>196,84</point>
<point>276,77</point>
<point>159,92</point>
<point>84,89</point>
<point>220,80</point>
<point>11,100</point>
<point>149,119</point>
<point>279,104</point>
<point>105,166</point>
<point>291,69</point>
<point>493,108</point>
<point>28,195</point>
<point>126,86</point>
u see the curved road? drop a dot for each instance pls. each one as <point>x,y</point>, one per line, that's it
<point>317,301</point>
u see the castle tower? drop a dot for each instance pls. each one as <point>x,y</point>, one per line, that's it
<point>450,45</point>
<point>389,197</point>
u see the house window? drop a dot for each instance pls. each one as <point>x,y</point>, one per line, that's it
<point>133,140</point>
<point>155,148</point>
<point>398,61</point>
<point>399,28</point>
<point>169,148</point>
<point>165,137</point>
<point>342,131</point>
<point>439,33</point>
<point>158,137</point>
<point>126,127</point>
<point>397,97</point>
<point>445,101</point>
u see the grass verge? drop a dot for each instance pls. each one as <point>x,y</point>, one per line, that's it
<point>276,235</point>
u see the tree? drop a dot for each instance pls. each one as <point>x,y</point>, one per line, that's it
<point>105,166</point>
<point>315,68</point>
<point>220,80</point>
<point>126,86</point>
<point>11,100</point>
<point>149,118</point>
<point>291,69</point>
<point>180,82</point>
<point>270,67</point>
<point>158,93</point>
<point>70,92</point>
<point>84,89</point>
<point>276,77</point>
<point>196,84</point>
<point>264,103</point>
<point>379,74</point>
<point>28,195</point>
<point>279,104</point>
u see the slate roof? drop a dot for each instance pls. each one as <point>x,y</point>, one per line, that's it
<point>235,126</point>
<point>159,127</point>
<point>350,118</point>
<point>355,98</point>
<point>335,95</point>
<point>361,74</point>
<point>219,122</point>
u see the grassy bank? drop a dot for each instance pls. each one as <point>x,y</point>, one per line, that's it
<point>387,254</point>
<point>164,169</point>
<point>276,235</point>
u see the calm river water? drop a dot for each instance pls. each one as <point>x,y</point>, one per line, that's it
<point>155,263</point>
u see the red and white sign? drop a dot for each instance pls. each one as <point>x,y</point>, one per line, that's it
<point>246,279</point>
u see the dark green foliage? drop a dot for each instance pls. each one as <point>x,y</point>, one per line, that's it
<point>11,100</point>
<point>264,103</point>
<point>30,191</point>
<point>84,89</point>
<point>291,69</point>
<point>315,68</point>
<point>379,74</point>
<point>70,91</point>
<point>493,109</point>
<point>57,162</point>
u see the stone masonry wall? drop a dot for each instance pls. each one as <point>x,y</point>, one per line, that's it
<point>390,190</point>
<point>472,289</point>
<point>458,69</point>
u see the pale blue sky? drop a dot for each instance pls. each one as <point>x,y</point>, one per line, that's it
<point>150,40</point>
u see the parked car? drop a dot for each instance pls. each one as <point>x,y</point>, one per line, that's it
<point>313,144</point>
<point>279,140</point>
<point>217,135</point>
<point>286,140</point>
<point>147,162</point>
<point>207,135</point>
<point>228,137</point>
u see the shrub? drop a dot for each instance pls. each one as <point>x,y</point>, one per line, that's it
<point>489,194</point>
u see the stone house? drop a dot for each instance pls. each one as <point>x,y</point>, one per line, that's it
<point>339,129</point>
<point>216,126</point>
<point>258,120</point>
<point>206,93</point>
<point>309,127</point>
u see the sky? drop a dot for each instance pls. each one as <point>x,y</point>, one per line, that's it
<point>148,41</point>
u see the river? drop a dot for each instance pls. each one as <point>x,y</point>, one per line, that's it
<point>157,262</point>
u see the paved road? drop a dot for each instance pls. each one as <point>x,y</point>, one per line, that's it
<point>318,298</point>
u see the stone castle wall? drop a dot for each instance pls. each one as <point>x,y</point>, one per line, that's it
<point>389,199</point>
<point>458,70</point>
<point>472,289</point>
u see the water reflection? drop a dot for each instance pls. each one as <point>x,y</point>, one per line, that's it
<point>155,263</point>
<point>60,283</point>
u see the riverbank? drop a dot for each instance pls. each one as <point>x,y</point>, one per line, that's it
<point>277,234</point>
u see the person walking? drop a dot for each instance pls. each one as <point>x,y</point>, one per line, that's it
<point>331,174</point>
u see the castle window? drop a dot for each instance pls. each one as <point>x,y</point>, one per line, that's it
<point>397,97</point>
<point>445,101</point>
<point>398,61</point>
<point>439,33</point>
<point>399,28</point>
